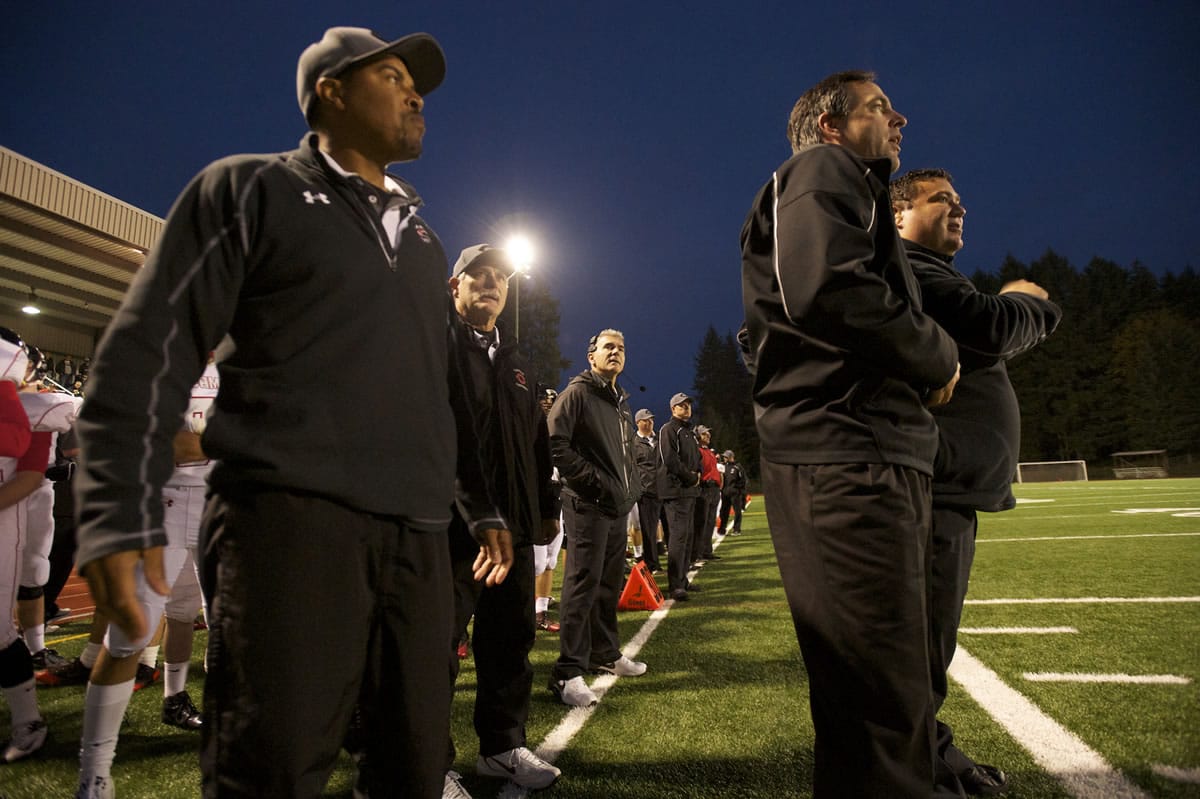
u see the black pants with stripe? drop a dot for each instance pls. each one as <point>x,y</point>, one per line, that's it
<point>852,542</point>
<point>316,608</point>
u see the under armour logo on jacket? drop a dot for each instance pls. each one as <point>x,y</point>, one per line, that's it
<point>311,198</point>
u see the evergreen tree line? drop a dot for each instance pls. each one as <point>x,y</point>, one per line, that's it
<point>1122,372</point>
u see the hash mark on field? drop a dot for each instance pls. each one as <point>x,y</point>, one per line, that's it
<point>1140,679</point>
<point>1083,537</point>
<point>1016,630</point>
<point>1176,774</point>
<point>1082,600</point>
<point>1081,770</point>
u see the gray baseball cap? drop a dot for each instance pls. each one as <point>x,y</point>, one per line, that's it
<point>644,413</point>
<point>342,48</point>
<point>701,430</point>
<point>483,255</point>
<point>679,399</point>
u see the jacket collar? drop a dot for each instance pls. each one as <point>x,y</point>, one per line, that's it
<point>912,247</point>
<point>309,157</point>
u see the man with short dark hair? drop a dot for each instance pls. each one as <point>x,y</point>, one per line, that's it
<point>679,488</point>
<point>844,363</point>
<point>309,268</point>
<point>979,433</point>
<point>591,436</point>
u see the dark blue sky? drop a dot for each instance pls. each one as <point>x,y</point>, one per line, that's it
<point>630,138</point>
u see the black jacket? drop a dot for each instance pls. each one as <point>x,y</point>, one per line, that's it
<point>979,430</point>
<point>514,442</point>
<point>334,363</point>
<point>735,480</point>
<point>679,452</point>
<point>591,437</point>
<point>842,352</point>
<point>645,454</point>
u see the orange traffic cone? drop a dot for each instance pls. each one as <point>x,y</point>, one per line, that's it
<point>641,592</point>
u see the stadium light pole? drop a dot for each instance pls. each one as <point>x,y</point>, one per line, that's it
<point>522,253</point>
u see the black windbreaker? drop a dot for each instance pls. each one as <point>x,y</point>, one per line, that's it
<point>591,437</point>
<point>334,362</point>
<point>841,350</point>
<point>979,430</point>
<point>514,440</point>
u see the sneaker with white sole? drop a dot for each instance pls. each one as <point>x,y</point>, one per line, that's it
<point>96,788</point>
<point>453,787</point>
<point>26,739</point>
<point>573,692</point>
<point>519,765</point>
<point>622,667</point>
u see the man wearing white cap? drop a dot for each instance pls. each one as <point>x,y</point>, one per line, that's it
<point>309,268</point>
<point>515,451</point>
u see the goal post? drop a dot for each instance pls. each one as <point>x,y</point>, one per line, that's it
<point>1051,471</point>
<point>1140,464</point>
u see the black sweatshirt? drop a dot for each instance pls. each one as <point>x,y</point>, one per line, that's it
<point>333,354</point>
<point>841,350</point>
<point>979,430</point>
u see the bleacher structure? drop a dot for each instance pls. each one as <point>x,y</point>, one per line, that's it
<point>1051,471</point>
<point>1140,464</point>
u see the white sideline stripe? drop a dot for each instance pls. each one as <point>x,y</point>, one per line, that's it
<point>1081,770</point>
<point>558,738</point>
<point>1142,679</point>
<point>1075,600</point>
<point>1176,774</point>
<point>1082,537</point>
<point>1016,630</point>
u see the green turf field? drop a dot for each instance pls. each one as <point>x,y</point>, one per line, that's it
<point>723,710</point>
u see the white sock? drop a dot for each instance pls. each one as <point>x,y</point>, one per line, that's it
<point>175,680</point>
<point>89,654</point>
<point>103,710</point>
<point>35,638</point>
<point>149,656</point>
<point>637,551</point>
<point>542,604</point>
<point>22,702</point>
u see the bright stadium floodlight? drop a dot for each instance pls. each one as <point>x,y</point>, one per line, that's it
<point>522,252</point>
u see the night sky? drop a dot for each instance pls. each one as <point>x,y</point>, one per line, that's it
<point>628,139</point>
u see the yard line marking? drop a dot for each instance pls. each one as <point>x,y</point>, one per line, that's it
<point>1016,630</point>
<point>1173,511</point>
<point>1082,600</point>
<point>1175,773</point>
<point>1027,501</point>
<point>558,738</point>
<point>1081,770</point>
<point>1083,537</point>
<point>1138,679</point>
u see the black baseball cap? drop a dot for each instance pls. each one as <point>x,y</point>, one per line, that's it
<point>342,48</point>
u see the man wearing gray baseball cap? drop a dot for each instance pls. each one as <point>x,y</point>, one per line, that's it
<point>309,269</point>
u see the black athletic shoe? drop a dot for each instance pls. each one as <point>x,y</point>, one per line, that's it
<point>48,659</point>
<point>178,711</point>
<point>679,595</point>
<point>145,677</point>
<point>73,672</point>
<point>983,780</point>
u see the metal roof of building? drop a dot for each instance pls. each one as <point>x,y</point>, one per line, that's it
<point>70,248</point>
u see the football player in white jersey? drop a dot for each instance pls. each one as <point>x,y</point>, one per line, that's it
<point>112,679</point>
<point>53,412</point>
<point>23,456</point>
